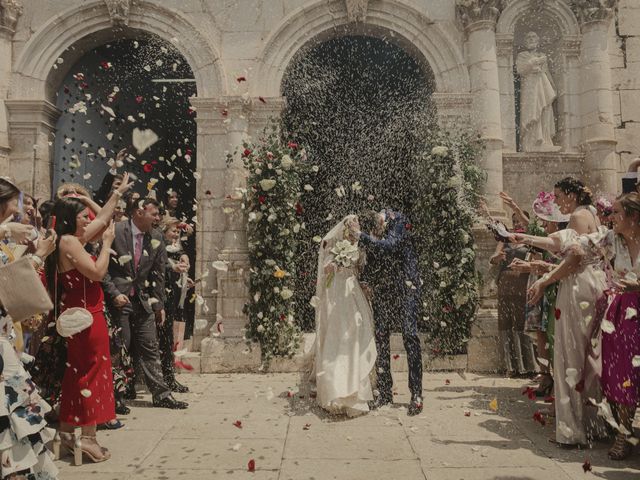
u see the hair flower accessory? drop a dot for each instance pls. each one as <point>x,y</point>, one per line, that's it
<point>545,208</point>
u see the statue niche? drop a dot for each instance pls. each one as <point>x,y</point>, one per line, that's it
<point>537,94</point>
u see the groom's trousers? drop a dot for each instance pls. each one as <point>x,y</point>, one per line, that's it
<point>408,306</point>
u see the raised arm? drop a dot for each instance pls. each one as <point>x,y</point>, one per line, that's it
<point>517,211</point>
<point>552,244</point>
<point>390,242</point>
<point>104,216</point>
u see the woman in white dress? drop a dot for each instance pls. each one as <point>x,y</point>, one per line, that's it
<point>577,310</point>
<point>344,349</point>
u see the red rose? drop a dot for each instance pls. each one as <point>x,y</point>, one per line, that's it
<point>299,209</point>
<point>246,152</point>
<point>84,85</point>
<point>408,226</point>
<point>251,466</point>
<point>557,313</point>
<point>148,167</point>
<point>104,64</point>
<point>292,145</point>
<point>139,99</point>
<point>283,317</point>
<point>262,198</point>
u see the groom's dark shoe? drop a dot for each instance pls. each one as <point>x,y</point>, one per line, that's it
<point>415,407</point>
<point>381,401</point>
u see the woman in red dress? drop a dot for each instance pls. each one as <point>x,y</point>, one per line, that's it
<point>73,277</point>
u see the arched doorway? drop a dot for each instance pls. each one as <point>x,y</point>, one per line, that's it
<point>360,105</point>
<point>127,84</point>
<point>144,83</point>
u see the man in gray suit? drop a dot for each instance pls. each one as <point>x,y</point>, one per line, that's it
<point>135,287</point>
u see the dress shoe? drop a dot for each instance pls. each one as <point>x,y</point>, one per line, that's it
<point>380,401</point>
<point>121,408</point>
<point>415,407</point>
<point>177,387</point>
<point>130,394</point>
<point>170,402</point>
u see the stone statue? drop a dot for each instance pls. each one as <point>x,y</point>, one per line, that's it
<point>537,94</point>
<point>356,10</point>
<point>119,11</point>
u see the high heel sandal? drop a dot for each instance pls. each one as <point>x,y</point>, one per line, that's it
<point>106,455</point>
<point>621,448</point>
<point>73,444</point>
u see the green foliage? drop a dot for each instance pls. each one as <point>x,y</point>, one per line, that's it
<point>274,227</point>
<point>447,182</point>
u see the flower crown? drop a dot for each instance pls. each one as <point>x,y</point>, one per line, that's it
<point>545,203</point>
<point>604,204</point>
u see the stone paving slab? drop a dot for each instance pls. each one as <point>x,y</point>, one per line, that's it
<point>290,438</point>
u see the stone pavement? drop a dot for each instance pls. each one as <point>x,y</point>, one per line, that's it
<point>289,439</point>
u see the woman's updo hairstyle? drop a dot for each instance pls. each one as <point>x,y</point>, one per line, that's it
<point>630,203</point>
<point>570,185</point>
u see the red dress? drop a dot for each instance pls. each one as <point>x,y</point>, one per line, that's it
<point>87,386</point>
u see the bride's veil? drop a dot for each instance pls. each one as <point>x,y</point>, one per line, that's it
<point>328,242</point>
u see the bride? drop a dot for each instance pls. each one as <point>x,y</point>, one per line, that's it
<point>344,349</point>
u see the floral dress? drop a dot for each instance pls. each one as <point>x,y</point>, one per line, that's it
<point>23,429</point>
<point>619,332</point>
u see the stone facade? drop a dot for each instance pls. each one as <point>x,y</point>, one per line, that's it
<point>470,46</point>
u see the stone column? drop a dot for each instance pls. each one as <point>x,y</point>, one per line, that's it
<point>31,125</point>
<point>479,18</point>
<point>10,10</point>
<point>223,124</point>
<point>596,99</point>
<point>507,90</point>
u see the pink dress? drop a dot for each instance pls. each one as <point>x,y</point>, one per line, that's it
<point>87,386</point>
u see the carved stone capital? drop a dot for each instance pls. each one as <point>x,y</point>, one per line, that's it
<point>593,10</point>
<point>356,10</point>
<point>474,13</point>
<point>10,10</point>
<point>119,11</point>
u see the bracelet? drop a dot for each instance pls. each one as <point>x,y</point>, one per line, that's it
<point>37,260</point>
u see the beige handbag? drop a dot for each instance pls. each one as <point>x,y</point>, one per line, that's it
<point>21,292</point>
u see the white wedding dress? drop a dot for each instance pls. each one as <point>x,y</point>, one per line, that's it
<point>344,353</point>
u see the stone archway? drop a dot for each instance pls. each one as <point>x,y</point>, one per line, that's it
<point>393,20</point>
<point>45,59</point>
<point>362,107</point>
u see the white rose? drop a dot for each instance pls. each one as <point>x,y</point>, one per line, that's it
<point>286,294</point>
<point>272,218</point>
<point>267,184</point>
<point>308,188</point>
<point>260,329</point>
<point>286,162</point>
<point>258,171</point>
<point>440,151</point>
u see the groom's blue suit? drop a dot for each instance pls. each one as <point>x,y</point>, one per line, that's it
<point>392,270</point>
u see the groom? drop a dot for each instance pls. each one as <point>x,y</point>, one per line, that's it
<point>392,274</point>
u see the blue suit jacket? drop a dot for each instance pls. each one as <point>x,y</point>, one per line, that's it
<point>397,243</point>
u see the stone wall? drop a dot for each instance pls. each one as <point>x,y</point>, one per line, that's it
<point>470,53</point>
<point>625,73</point>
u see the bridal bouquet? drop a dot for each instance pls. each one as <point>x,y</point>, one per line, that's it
<point>346,254</point>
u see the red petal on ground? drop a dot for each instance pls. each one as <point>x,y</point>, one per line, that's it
<point>396,356</point>
<point>307,426</point>
<point>262,99</point>
<point>538,417</point>
<point>447,382</point>
<point>251,466</point>
<point>586,466</point>
<point>241,79</point>
<point>182,365</point>
<point>237,423</point>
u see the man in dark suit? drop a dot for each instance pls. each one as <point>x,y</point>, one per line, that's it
<point>392,273</point>
<point>135,287</point>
